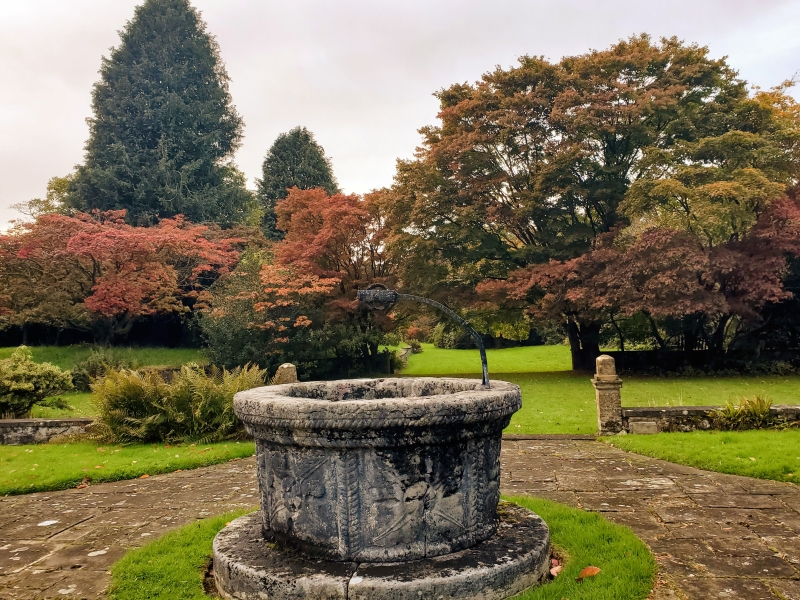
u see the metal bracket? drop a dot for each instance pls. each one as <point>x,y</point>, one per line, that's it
<point>379,297</point>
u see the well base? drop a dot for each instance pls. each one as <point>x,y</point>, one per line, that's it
<point>517,557</point>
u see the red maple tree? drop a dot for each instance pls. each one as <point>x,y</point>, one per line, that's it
<point>112,273</point>
<point>662,273</point>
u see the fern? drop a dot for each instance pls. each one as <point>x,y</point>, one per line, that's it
<point>195,405</point>
<point>747,414</point>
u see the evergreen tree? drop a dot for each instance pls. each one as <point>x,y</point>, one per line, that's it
<point>294,160</point>
<point>164,128</point>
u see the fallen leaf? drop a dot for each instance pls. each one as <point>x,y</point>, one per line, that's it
<point>145,476</point>
<point>98,466</point>
<point>587,572</point>
<point>556,570</point>
<point>554,562</point>
<point>751,458</point>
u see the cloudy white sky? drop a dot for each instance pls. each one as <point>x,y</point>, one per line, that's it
<point>358,73</point>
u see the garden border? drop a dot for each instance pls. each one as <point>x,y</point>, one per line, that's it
<point>15,432</point>
<point>656,419</point>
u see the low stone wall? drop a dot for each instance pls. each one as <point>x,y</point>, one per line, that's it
<point>38,431</point>
<point>654,419</point>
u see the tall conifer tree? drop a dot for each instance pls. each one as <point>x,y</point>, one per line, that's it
<point>164,128</point>
<point>294,160</point>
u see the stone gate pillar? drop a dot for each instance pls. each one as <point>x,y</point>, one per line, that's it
<point>607,385</point>
<point>286,373</point>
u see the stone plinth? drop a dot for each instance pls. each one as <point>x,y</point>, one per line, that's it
<point>518,557</point>
<point>379,470</point>
<point>607,387</point>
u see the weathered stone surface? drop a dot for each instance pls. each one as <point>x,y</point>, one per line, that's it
<point>286,373</point>
<point>379,470</point>
<point>38,431</point>
<point>606,366</point>
<point>607,387</point>
<point>246,567</point>
<point>643,427</point>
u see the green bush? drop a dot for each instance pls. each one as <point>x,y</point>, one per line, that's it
<point>24,382</point>
<point>135,406</point>
<point>453,337</point>
<point>95,365</point>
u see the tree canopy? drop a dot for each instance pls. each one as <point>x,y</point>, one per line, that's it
<point>298,303</point>
<point>543,161</point>
<point>294,160</point>
<point>164,127</point>
<point>95,272</point>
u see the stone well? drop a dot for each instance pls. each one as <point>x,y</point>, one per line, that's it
<point>365,471</point>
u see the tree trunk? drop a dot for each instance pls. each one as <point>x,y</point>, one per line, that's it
<point>656,333</point>
<point>584,344</point>
<point>690,335</point>
<point>25,334</point>
<point>619,334</point>
<point>718,338</point>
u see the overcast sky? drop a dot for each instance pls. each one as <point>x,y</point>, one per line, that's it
<point>359,74</point>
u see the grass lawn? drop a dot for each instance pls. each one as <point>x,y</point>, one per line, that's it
<point>556,400</point>
<point>762,454</point>
<point>526,359</point>
<point>172,567</point>
<point>44,467</point>
<point>627,569</point>
<point>81,405</point>
<point>67,357</point>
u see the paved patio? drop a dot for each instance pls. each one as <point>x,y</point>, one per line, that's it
<point>715,536</point>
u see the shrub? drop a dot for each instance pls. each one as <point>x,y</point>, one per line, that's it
<point>250,321</point>
<point>747,414</point>
<point>95,365</point>
<point>24,382</point>
<point>453,337</point>
<point>392,339</point>
<point>136,406</point>
<point>416,347</point>
<point>415,334</point>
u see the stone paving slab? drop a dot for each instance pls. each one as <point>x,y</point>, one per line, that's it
<point>62,544</point>
<point>714,535</point>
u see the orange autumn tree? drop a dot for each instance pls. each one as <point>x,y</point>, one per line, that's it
<point>298,303</point>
